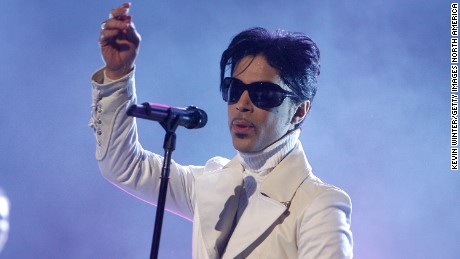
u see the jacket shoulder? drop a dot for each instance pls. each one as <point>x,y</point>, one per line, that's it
<point>313,190</point>
<point>216,163</point>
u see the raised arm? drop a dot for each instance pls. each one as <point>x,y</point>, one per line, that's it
<point>122,160</point>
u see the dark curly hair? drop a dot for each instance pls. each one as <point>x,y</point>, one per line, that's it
<point>293,54</point>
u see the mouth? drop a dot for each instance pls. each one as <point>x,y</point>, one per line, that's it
<point>241,126</point>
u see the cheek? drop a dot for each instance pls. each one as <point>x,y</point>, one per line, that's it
<point>270,124</point>
<point>230,111</point>
<point>279,121</point>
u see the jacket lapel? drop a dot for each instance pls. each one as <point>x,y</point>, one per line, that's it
<point>282,183</point>
<point>255,220</point>
<point>217,196</point>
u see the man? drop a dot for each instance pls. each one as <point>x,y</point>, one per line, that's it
<point>265,202</point>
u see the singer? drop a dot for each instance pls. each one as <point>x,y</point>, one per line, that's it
<point>265,202</point>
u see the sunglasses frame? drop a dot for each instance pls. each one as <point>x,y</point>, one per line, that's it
<point>263,104</point>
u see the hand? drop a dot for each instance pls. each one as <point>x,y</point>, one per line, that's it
<point>119,42</point>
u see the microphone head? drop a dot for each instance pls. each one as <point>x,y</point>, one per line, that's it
<point>200,118</point>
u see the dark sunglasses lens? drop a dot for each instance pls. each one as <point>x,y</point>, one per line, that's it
<point>232,90</point>
<point>226,88</point>
<point>263,95</point>
<point>234,94</point>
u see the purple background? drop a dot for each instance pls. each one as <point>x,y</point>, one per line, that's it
<point>379,127</point>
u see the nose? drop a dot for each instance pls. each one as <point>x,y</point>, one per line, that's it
<point>244,104</point>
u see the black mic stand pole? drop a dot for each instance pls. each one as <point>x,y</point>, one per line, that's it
<point>170,125</point>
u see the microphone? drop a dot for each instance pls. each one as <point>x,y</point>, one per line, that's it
<point>190,117</point>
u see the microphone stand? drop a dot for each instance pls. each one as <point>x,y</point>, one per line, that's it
<point>170,125</point>
<point>191,118</point>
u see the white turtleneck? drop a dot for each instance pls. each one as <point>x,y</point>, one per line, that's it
<point>258,165</point>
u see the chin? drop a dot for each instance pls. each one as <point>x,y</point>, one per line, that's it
<point>242,145</point>
<point>246,147</point>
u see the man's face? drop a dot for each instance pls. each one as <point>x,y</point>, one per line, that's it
<point>252,128</point>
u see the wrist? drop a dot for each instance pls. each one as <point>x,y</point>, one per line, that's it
<point>116,74</point>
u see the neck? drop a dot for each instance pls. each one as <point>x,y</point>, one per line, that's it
<point>271,156</point>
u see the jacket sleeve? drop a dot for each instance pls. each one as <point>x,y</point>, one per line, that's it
<point>122,160</point>
<point>325,229</point>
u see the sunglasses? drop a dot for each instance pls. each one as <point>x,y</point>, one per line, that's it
<point>264,95</point>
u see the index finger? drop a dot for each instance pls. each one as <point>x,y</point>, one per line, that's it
<point>121,11</point>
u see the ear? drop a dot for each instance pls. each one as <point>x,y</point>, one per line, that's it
<point>301,112</point>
